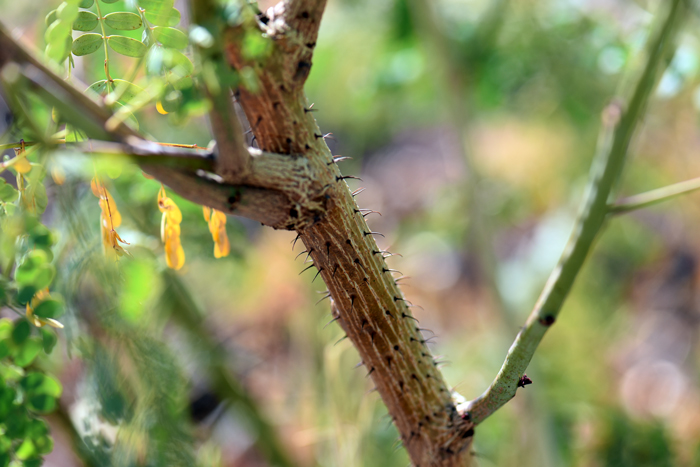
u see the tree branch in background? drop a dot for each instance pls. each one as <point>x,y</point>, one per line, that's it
<point>608,164</point>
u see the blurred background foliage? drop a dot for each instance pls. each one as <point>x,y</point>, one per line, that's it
<point>473,124</point>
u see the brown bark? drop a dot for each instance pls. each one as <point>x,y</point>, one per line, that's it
<point>365,297</point>
<point>295,185</point>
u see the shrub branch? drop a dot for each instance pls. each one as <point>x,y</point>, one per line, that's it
<point>605,172</point>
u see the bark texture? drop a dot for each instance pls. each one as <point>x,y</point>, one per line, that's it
<point>366,300</point>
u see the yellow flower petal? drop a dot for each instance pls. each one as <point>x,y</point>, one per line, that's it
<point>222,247</point>
<point>22,165</point>
<point>207,213</point>
<point>174,253</point>
<point>160,109</point>
<point>58,175</point>
<point>168,206</point>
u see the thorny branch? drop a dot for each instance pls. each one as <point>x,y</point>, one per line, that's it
<point>366,301</point>
<point>293,183</point>
<point>605,172</point>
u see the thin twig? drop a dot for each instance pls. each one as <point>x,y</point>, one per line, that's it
<point>233,161</point>
<point>653,197</point>
<point>604,175</point>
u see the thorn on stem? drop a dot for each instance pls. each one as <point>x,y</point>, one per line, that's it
<point>341,339</point>
<point>345,177</point>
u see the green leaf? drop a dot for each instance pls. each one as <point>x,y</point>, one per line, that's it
<point>4,349</point>
<point>16,423</point>
<point>48,338</point>
<point>36,429</point>
<point>11,373</point>
<point>57,32</point>
<point>27,352</point>
<point>67,12</point>
<point>126,90</point>
<point>86,44</point>
<point>172,99</point>
<point>41,200</point>
<point>123,21</point>
<point>42,237</point>
<point>127,46</point>
<point>21,331</point>
<point>25,450</point>
<point>171,18</point>
<point>7,399</point>
<point>44,276</point>
<point>110,1</point>
<point>43,444</point>
<point>25,294</point>
<point>171,37</point>
<point>50,18</point>
<point>99,87</point>
<point>86,3</point>
<point>7,192</point>
<point>158,12</point>
<point>174,59</point>
<point>86,21</point>
<point>28,272</point>
<point>35,383</point>
<point>49,308</point>
<point>42,404</point>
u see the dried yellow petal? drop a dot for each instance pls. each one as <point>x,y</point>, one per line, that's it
<point>174,253</point>
<point>217,227</point>
<point>222,247</point>
<point>170,230</point>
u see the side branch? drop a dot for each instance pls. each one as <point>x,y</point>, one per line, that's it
<point>604,175</point>
<point>653,197</point>
<point>233,161</point>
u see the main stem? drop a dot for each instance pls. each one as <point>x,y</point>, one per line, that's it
<point>366,301</point>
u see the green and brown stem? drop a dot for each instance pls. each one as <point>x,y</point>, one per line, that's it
<point>606,170</point>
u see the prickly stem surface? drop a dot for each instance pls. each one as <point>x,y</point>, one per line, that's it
<point>365,298</point>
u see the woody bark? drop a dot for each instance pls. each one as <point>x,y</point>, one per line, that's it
<point>366,300</point>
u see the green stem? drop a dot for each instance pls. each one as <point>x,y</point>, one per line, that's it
<point>104,42</point>
<point>653,197</point>
<point>604,175</point>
